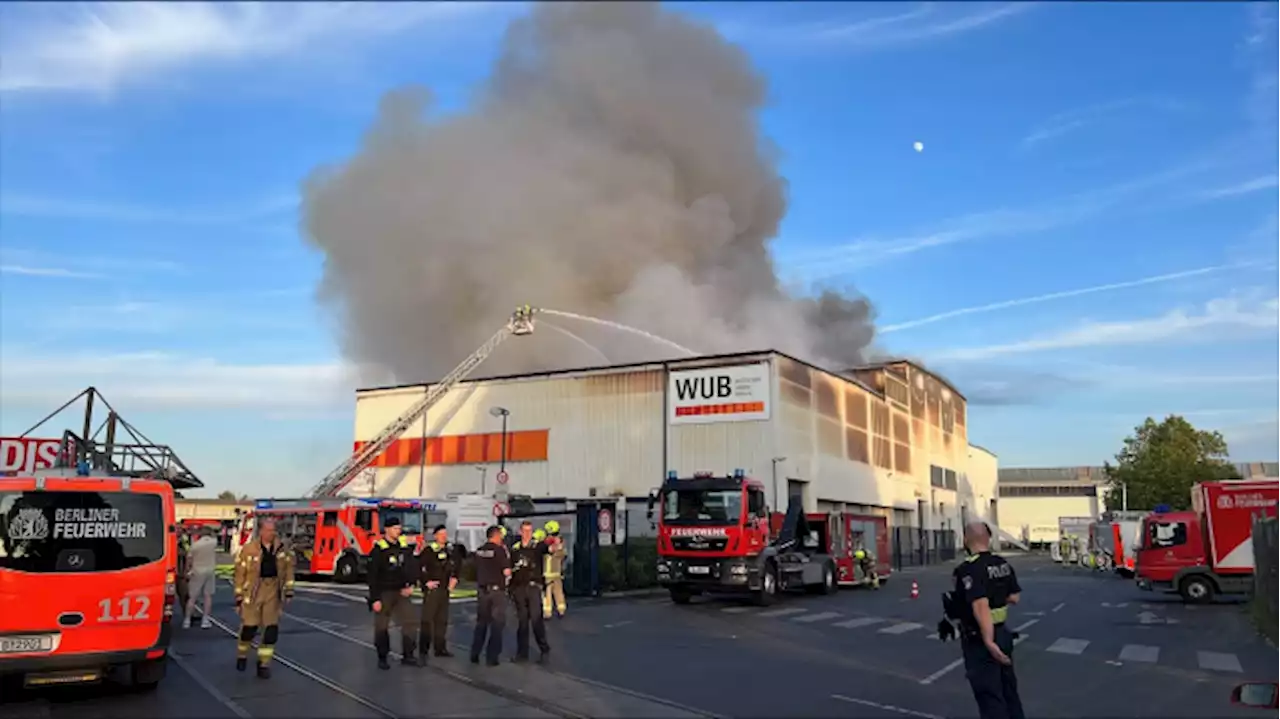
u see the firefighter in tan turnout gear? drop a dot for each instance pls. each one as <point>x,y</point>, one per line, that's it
<point>552,572</point>
<point>263,583</point>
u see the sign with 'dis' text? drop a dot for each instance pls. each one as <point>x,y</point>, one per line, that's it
<point>732,393</point>
<point>25,455</point>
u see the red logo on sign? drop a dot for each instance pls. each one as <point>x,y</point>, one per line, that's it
<point>500,508</point>
<point>26,454</point>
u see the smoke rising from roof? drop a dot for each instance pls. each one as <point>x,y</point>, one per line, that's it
<point>612,166</point>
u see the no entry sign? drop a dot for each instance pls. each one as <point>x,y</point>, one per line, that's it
<point>503,477</point>
<point>500,509</point>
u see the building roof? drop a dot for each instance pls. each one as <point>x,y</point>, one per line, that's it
<point>633,366</point>
<point>887,364</point>
<point>1051,475</point>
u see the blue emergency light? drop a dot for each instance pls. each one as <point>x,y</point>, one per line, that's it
<point>263,504</point>
<point>739,474</point>
<point>1161,509</point>
<point>82,468</point>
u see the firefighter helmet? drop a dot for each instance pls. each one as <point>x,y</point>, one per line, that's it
<point>539,535</point>
<point>859,554</point>
<point>552,527</point>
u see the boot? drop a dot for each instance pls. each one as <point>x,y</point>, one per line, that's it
<point>475,658</point>
<point>383,663</point>
<point>264,671</point>
<point>409,660</point>
<point>242,663</point>
<point>443,653</point>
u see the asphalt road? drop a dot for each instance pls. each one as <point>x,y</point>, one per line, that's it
<point>1093,646</point>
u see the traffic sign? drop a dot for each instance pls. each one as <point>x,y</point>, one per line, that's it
<point>604,521</point>
<point>503,477</point>
<point>500,509</point>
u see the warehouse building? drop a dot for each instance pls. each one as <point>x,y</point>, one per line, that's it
<point>888,439</point>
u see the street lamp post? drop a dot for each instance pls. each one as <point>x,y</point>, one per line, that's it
<point>776,506</point>
<point>503,413</point>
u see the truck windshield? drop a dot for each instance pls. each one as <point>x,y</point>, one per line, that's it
<point>52,532</point>
<point>689,506</point>
<point>410,519</point>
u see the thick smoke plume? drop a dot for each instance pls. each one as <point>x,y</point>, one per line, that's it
<point>612,166</point>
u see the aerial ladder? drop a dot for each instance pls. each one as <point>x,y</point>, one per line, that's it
<point>521,323</point>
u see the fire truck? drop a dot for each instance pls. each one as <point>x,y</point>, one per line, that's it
<point>716,535</point>
<point>333,536</point>
<point>1208,550</point>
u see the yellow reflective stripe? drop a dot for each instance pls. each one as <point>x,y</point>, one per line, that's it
<point>999,615</point>
<point>382,543</point>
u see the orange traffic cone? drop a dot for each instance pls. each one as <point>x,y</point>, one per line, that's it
<point>915,590</point>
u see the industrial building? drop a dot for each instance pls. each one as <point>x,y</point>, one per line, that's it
<point>888,439</point>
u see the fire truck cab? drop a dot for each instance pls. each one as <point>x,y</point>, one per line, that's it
<point>714,537</point>
<point>88,570</point>
<point>333,536</point>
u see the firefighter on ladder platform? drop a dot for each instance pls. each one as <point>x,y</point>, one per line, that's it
<point>553,566</point>
<point>263,584</point>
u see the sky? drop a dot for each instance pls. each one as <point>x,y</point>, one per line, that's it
<point>1087,238</point>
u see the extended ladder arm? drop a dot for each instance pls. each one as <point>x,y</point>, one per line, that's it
<point>521,323</point>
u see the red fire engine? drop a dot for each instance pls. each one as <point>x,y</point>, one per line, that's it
<point>715,535</point>
<point>334,536</point>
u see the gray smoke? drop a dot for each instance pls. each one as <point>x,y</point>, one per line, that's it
<point>612,166</point>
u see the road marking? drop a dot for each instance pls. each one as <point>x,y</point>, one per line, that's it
<point>885,707</point>
<point>736,610</point>
<point>782,612</point>
<point>817,617</point>
<point>1033,614</point>
<point>859,622</point>
<point>943,671</point>
<point>615,625</point>
<point>1139,653</point>
<point>321,602</point>
<point>208,686</point>
<point>1024,625</point>
<point>902,628</point>
<point>1060,606</point>
<point>1219,661</point>
<point>1065,645</point>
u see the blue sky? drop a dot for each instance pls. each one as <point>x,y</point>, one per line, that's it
<point>1089,236</point>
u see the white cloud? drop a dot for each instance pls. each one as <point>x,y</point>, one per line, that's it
<point>1220,314</point>
<point>154,380</point>
<point>38,206</point>
<point>1067,122</point>
<point>57,272</point>
<point>1065,294</point>
<point>926,22</point>
<point>100,47</point>
<point>1265,182</point>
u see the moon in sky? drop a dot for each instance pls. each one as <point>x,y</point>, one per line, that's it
<point>919,146</point>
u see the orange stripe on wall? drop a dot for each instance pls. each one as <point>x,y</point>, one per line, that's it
<point>522,446</point>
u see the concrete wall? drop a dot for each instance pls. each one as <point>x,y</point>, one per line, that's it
<point>1037,517</point>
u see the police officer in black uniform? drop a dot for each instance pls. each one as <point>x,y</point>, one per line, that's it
<point>439,574</point>
<point>985,587</point>
<point>526,591</point>
<point>392,574</point>
<point>493,570</point>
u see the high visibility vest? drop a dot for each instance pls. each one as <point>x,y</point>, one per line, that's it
<point>384,544</point>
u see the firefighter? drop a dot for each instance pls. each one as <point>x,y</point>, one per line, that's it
<point>867,564</point>
<point>553,564</point>
<point>439,575</point>
<point>527,557</point>
<point>493,571</point>
<point>392,574</point>
<point>263,583</point>
<point>985,587</point>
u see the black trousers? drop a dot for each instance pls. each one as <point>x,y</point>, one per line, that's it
<point>433,627</point>
<point>995,686</point>
<point>399,609</point>
<point>491,619</point>
<point>528,600</point>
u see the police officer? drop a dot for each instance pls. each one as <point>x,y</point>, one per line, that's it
<point>985,586</point>
<point>439,575</point>
<point>493,570</point>
<point>526,591</point>
<point>553,572</point>
<point>392,574</point>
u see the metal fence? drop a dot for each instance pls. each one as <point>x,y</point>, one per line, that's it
<point>916,547</point>
<point>1265,573</point>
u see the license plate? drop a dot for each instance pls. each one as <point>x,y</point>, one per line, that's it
<point>26,644</point>
<point>699,570</point>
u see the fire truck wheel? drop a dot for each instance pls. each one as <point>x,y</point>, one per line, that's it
<point>681,595</point>
<point>147,674</point>
<point>829,585</point>
<point>1197,590</point>
<point>768,586</point>
<point>345,571</point>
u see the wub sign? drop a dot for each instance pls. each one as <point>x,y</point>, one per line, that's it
<point>732,393</point>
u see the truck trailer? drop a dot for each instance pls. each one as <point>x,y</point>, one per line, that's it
<point>1208,550</point>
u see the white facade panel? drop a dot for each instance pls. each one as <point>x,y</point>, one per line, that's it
<point>1035,519</point>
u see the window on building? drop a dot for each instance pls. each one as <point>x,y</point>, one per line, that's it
<point>957,406</point>
<point>855,408</point>
<point>902,457</point>
<point>948,423</point>
<point>949,478</point>
<point>882,452</point>
<point>856,447</point>
<point>901,428</point>
<point>935,476</point>
<point>896,390</point>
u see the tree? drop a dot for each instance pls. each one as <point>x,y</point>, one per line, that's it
<point>1160,463</point>
<point>227,495</point>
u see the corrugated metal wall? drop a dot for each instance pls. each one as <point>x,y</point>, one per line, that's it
<point>604,433</point>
